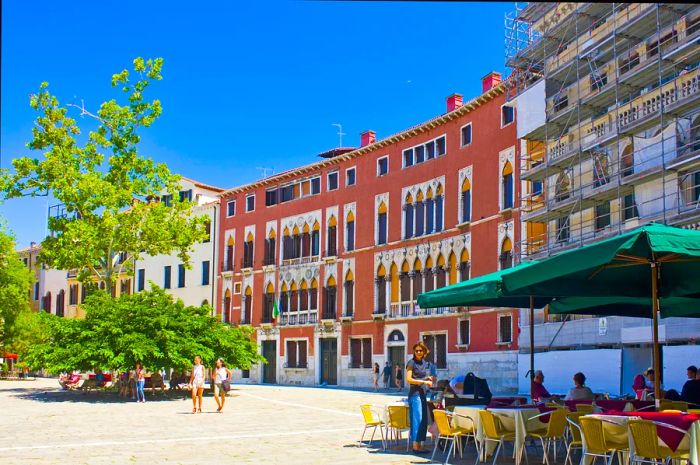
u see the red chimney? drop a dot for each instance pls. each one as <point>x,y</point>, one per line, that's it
<point>454,101</point>
<point>490,81</point>
<point>368,138</point>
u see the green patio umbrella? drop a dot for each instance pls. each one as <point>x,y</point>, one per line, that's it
<point>651,262</point>
<point>686,307</point>
<point>487,291</point>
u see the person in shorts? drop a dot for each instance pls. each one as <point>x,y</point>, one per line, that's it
<point>221,374</point>
<point>197,384</point>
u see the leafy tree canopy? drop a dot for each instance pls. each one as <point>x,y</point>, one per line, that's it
<point>15,284</point>
<point>107,189</point>
<point>148,327</point>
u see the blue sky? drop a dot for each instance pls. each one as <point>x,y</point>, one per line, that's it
<point>246,84</point>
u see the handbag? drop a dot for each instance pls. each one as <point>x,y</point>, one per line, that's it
<point>226,385</point>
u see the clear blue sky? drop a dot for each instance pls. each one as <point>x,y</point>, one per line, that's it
<point>246,84</point>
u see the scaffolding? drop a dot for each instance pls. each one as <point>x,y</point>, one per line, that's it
<point>619,140</point>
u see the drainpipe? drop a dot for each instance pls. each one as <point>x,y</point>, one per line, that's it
<point>215,243</point>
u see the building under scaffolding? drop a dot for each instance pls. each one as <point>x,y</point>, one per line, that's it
<point>609,118</point>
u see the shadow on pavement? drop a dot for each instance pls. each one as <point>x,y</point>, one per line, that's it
<point>90,397</point>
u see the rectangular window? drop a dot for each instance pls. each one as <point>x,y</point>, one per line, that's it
<point>73,294</point>
<point>382,166</point>
<point>186,196</point>
<point>230,208</point>
<point>271,197</point>
<point>167,200</point>
<point>141,280</point>
<point>181,275</point>
<point>466,134</point>
<point>629,208</point>
<point>167,271</point>
<point>419,153</point>
<point>205,273</point>
<point>464,332</point>
<point>507,115</point>
<point>245,374</point>
<point>505,328</point>
<point>315,186</point>
<point>537,187</point>
<point>441,146</point>
<point>602,216</point>
<point>36,290</point>
<point>332,181</point>
<point>286,193</point>
<point>407,158</point>
<point>207,230</point>
<point>250,203</point>
<point>437,345</point>
<point>361,352</point>
<point>350,177</point>
<point>430,150</point>
<point>381,229</point>
<point>350,236</point>
<point>296,354</point>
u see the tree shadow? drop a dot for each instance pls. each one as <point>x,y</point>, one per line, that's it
<point>91,397</point>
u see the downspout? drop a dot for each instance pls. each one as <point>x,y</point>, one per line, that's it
<point>215,244</point>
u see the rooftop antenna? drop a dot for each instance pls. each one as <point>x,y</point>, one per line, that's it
<point>265,171</point>
<point>340,133</point>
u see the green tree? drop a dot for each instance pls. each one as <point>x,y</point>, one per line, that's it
<point>148,327</point>
<point>15,284</point>
<point>108,190</point>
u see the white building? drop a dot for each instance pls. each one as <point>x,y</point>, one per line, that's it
<point>194,286</point>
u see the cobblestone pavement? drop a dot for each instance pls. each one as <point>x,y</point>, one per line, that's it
<point>39,424</point>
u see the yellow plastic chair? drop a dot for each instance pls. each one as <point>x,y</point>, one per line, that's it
<point>694,410</point>
<point>584,408</point>
<point>645,438</point>
<point>595,444</point>
<point>494,432</point>
<point>555,430</point>
<point>575,439</point>
<point>371,421</point>
<point>398,423</point>
<point>450,433</point>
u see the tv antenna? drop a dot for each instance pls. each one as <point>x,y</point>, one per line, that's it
<point>340,133</point>
<point>265,171</point>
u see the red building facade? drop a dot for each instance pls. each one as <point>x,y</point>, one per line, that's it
<point>345,245</point>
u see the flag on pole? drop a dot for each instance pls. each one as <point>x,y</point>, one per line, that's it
<point>275,310</point>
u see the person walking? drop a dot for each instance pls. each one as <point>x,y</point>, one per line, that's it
<point>222,377</point>
<point>419,380</point>
<point>375,376</point>
<point>386,374</point>
<point>399,377</point>
<point>140,383</point>
<point>197,383</point>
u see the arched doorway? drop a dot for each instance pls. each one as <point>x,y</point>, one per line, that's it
<point>396,354</point>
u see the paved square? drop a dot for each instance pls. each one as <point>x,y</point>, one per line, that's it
<point>40,424</point>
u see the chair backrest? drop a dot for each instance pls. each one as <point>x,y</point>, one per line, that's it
<point>645,438</point>
<point>398,416</point>
<point>491,425</point>
<point>557,423</point>
<point>442,422</point>
<point>678,405</point>
<point>367,413</point>
<point>575,425</point>
<point>592,431</point>
<point>584,408</point>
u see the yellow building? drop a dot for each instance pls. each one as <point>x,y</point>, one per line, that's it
<point>30,257</point>
<point>77,292</point>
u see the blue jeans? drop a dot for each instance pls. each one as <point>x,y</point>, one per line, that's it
<point>140,395</point>
<point>418,411</point>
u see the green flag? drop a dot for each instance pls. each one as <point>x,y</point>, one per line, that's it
<point>275,310</point>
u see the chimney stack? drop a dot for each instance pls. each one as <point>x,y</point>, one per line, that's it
<point>490,81</point>
<point>368,138</point>
<point>32,245</point>
<point>454,101</point>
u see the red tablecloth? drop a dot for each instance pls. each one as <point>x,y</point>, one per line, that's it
<point>612,404</point>
<point>671,437</point>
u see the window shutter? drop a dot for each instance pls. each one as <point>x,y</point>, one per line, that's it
<point>367,353</point>
<point>441,351</point>
<point>355,353</point>
<point>291,354</point>
<point>302,354</point>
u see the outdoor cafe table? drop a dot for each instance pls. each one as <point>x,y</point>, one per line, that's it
<point>667,437</point>
<point>618,405</point>
<point>512,418</point>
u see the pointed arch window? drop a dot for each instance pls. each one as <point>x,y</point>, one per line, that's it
<point>315,240</point>
<point>507,185</point>
<point>226,311</point>
<point>506,257</point>
<point>466,199</point>
<point>429,213</point>
<point>303,297</point>
<point>228,262</point>
<point>247,306</point>
<point>349,293</point>
<point>248,252</point>
<point>408,216</point>
<point>332,232</point>
<point>350,232</point>
<point>382,224</point>
<point>464,268</point>
<point>380,289</point>
<point>329,299</point>
<point>270,246</point>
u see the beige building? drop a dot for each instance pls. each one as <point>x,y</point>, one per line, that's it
<point>609,116</point>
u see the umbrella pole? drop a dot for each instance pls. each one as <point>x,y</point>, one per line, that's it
<point>655,331</point>
<point>532,343</point>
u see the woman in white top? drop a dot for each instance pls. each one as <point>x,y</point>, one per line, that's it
<point>221,374</point>
<point>580,391</point>
<point>197,383</point>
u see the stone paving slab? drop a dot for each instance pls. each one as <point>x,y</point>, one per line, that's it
<point>40,424</point>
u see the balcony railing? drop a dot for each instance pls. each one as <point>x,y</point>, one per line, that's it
<point>298,318</point>
<point>300,260</point>
<point>403,309</point>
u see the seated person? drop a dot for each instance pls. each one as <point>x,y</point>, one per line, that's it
<point>580,391</point>
<point>157,382</point>
<point>538,392</point>
<point>456,385</point>
<point>99,378</point>
<point>691,389</point>
<point>639,387</point>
